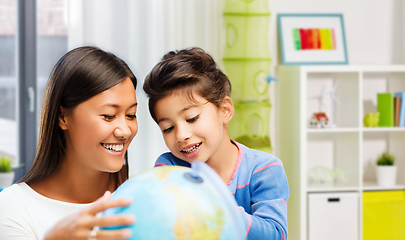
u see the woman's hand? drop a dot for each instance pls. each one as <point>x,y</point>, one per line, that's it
<point>79,225</point>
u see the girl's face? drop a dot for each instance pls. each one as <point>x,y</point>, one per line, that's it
<point>192,130</point>
<point>99,130</point>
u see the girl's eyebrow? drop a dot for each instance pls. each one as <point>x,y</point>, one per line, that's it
<point>182,110</point>
<point>161,120</point>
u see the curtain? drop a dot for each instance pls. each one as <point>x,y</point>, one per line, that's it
<point>141,32</point>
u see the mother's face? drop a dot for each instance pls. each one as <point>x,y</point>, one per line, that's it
<point>99,130</point>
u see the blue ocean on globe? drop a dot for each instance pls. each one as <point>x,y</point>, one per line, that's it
<point>173,202</point>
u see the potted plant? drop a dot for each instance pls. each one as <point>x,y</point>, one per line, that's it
<point>386,170</point>
<point>6,172</point>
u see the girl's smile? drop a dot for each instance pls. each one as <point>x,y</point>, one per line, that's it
<point>190,152</point>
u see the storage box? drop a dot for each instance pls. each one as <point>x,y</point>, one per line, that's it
<point>250,125</point>
<point>249,80</point>
<point>333,216</point>
<point>384,215</point>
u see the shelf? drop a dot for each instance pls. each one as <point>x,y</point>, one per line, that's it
<point>323,155</point>
<point>332,130</point>
<point>364,129</point>
<point>384,129</point>
<point>334,188</point>
<point>372,186</point>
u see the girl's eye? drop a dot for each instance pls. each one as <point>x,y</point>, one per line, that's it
<point>191,120</point>
<point>131,116</point>
<point>167,130</point>
<point>109,117</point>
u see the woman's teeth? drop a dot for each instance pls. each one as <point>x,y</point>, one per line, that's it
<point>113,147</point>
<point>192,149</point>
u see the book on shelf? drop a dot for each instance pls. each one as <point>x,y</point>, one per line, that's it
<point>397,106</point>
<point>385,106</point>
<point>401,95</point>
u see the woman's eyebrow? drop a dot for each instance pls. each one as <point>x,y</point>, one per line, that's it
<point>116,106</point>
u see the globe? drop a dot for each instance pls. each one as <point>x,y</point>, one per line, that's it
<point>173,202</point>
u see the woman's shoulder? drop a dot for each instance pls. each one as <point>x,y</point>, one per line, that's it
<point>13,193</point>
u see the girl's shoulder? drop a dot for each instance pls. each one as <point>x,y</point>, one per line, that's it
<point>256,157</point>
<point>168,159</point>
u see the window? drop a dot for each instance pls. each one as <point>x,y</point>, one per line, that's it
<point>8,79</point>
<point>33,36</point>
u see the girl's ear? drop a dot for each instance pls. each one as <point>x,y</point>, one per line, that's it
<point>62,119</point>
<point>227,109</point>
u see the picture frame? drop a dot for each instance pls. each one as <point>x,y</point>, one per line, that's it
<point>307,39</point>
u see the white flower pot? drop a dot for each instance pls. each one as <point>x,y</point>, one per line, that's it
<point>386,175</point>
<point>6,179</point>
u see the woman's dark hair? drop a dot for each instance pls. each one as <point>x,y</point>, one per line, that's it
<point>188,70</point>
<point>78,76</point>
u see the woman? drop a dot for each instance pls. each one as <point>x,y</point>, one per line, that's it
<point>88,120</point>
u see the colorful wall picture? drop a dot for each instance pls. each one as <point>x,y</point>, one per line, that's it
<point>312,39</point>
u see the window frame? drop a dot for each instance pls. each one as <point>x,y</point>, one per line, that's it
<point>27,89</point>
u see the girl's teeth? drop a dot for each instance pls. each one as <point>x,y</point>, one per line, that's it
<point>191,149</point>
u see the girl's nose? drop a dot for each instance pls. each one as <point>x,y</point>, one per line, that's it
<point>182,134</point>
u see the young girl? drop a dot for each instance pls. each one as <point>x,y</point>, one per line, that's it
<point>88,120</point>
<point>189,98</point>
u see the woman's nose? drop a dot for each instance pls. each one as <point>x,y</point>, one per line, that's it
<point>122,130</point>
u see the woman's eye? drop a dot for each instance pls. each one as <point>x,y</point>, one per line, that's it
<point>191,120</point>
<point>132,116</point>
<point>109,117</point>
<point>167,130</point>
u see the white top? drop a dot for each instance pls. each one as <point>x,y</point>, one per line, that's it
<point>26,214</point>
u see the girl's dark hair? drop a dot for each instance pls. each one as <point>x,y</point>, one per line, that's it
<point>78,76</point>
<point>188,70</point>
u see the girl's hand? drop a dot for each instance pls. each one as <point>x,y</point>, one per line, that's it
<point>79,225</point>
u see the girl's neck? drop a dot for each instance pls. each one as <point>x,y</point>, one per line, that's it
<point>224,160</point>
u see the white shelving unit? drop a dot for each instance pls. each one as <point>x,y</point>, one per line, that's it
<point>349,146</point>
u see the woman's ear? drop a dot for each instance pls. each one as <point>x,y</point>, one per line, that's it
<point>62,119</point>
<point>227,109</point>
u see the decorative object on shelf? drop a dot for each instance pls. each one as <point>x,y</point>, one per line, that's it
<point>320,175</point>
<point>401,114</point>
<point>386,170</point>
<point>312,39</point>
<point>6,172</point>
<point>385,106</point>
<point>333,100</point>
<point>371,119</point>
<point>319,120</point>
